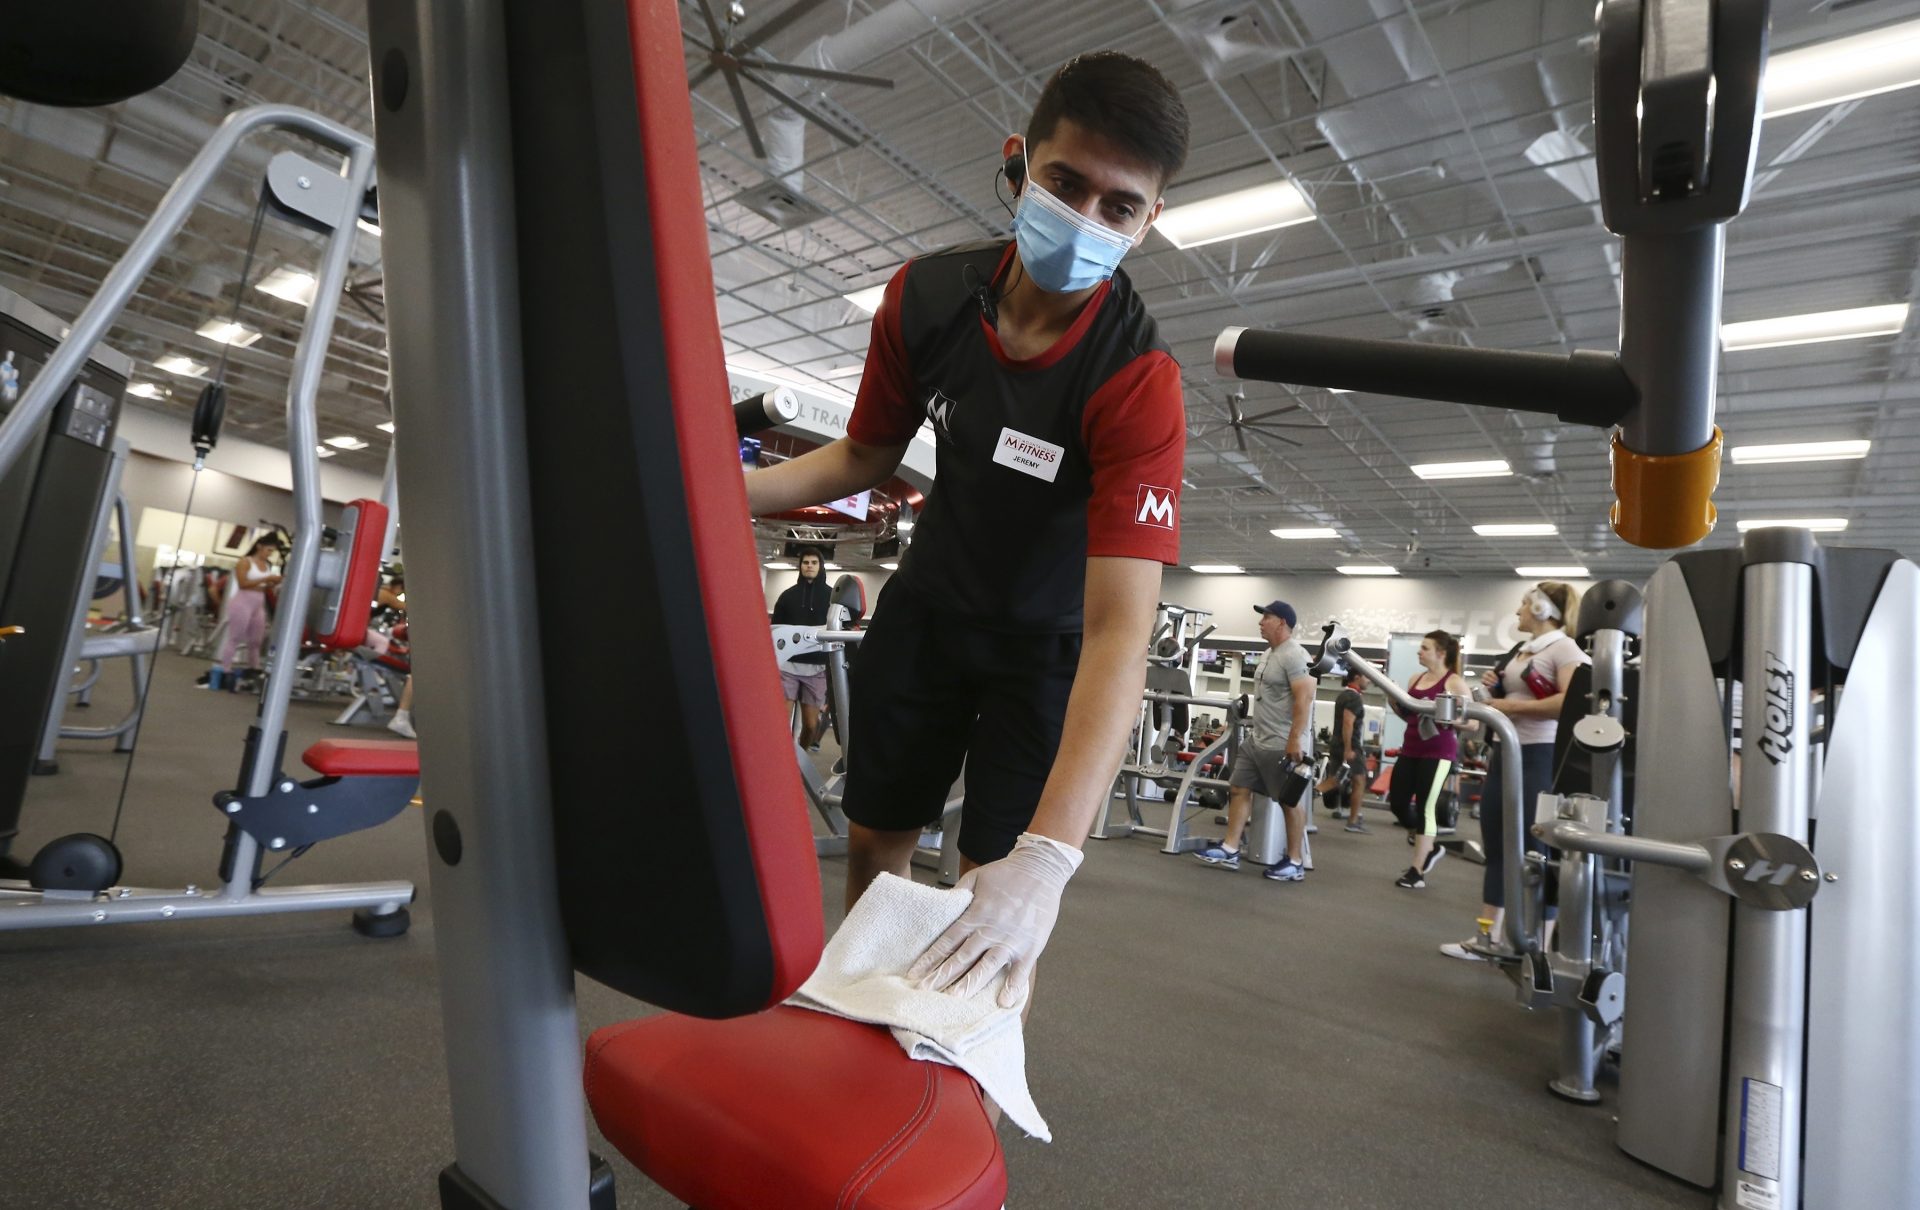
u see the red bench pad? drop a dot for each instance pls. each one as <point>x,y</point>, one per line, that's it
<point>364,758</point>
<point>795,1109</point>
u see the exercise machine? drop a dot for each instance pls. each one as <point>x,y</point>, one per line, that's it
<point>130,638</point>
<point>1770,1051</point>
<point>552,325</point>
<point>327,588</point>
<point>61,404</point>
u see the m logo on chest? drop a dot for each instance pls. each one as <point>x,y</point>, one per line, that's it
<point>940,411</point>
<point>1154,506</point>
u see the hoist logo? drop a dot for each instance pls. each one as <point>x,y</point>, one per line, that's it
<point>940,411</point>
<point>1155,507</point>
<point>1776,743</point>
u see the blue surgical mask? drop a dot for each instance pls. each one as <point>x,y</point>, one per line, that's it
<point>1060,248</point>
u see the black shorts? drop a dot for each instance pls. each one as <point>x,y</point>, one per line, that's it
<point>929,691</point>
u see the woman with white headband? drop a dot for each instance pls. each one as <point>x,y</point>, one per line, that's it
<point>1528,686</point>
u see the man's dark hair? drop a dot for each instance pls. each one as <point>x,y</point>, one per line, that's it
<point>811,552</point>
<point>1121,98</point>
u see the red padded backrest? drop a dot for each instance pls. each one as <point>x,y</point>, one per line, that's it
<point>771,797</point>
<point>362,579</point>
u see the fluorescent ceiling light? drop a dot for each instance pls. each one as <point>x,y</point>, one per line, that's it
<point>778,566</point>
<point>891,566</point>
<point>346,443</point>
<point>1367,569</point>
<point>323,451</point>
<point>1242,212</point>
<point>1305,532</point>
<point>174,363</point>
<point>903,527</point>
<point>831,566</point>
<point>294,285</point>
<point>1523,529</point>
<point>1219,569</point>
<point>1800,451</point>
<point>1338,391</point>
<point>867,300</point>
<point>146,390</point>
<point>385,428</point>
<point>1815,327</point>
<point>852,371</point>
<point>229,333</point>
<point>1462,470</point>
<point>372,229</point>
<point>1551,573</point>
<point>1819,525</point>
<point>1843,69</point>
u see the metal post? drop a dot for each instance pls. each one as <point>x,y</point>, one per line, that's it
<point>447,214</point>
<point>390,496</point>
<point>1761,1153</point>
<point>1670,336</point>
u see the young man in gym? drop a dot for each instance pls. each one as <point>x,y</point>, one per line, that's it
<point>1012,636</point>
<point>1347,771</point>
<point>1279,739</point>
<point>805,604</point>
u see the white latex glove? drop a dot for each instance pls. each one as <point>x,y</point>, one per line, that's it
<point>1015,903</point>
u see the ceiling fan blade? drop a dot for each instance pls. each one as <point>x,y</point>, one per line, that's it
<point>1240,438</point>
<point>1270,436</point>
<point>713,25</point>
<point>816,73</point>
<point>701,77</point>
<point>799,107</point>
<point>1292,407</point>
<point>787,16</point>
<point>746,115</point>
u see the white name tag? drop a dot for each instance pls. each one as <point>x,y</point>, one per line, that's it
<point>1028,455</point>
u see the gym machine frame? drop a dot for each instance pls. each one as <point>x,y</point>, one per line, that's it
<point>1676,122</point>
<point>1776,948</point>
<point>131,639</point>
<point>338,197</point>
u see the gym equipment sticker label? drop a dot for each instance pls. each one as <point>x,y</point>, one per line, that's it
<point>1028,455</point>
<point>1760,1129</point>
<point>1750,1196</point>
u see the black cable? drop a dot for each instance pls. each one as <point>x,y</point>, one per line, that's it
<point>153,664</point>
<point>262,880</point>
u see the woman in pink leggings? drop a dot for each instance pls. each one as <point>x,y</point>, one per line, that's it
<point>246,611</point>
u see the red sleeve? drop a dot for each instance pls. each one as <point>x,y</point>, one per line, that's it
<point>1135,430</point>
<point>884,412</point>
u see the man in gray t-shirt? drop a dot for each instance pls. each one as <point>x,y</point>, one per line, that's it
<point>1279,737</point>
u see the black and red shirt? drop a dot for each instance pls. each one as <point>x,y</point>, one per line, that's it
<point>1039,463</point>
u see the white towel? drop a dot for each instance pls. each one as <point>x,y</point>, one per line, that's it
<point>862,976</point>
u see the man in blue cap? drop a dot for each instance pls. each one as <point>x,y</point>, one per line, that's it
<point>1280,736</point>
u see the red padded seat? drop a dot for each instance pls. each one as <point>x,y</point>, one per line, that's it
<point>794,1109</point>
<point>364,758</point>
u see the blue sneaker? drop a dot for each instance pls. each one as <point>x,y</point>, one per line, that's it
<point>1287,870</point>
<point>1219,857</point>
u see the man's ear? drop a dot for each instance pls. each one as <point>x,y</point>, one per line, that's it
<point>1013,156</point>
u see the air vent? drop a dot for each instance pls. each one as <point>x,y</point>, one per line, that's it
<point>781,206</point>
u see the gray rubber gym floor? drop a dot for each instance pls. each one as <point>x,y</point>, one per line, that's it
<point>1201,1039</point>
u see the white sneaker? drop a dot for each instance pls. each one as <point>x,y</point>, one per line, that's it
<point>401,726</point>
<point>1460,950</point>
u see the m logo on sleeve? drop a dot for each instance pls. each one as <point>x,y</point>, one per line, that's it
<point>1154,506</point>
<point>940,411</point>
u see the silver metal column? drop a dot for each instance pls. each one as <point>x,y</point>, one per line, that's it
<point>1760,1158</point>
<point>447,220</point>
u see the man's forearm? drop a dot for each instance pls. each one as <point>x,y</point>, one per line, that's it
<point>1100,715</point>
<point>1106,696</point>
<point>838,469</point>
